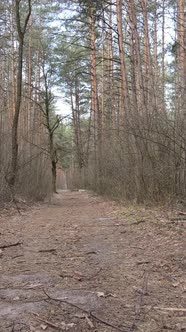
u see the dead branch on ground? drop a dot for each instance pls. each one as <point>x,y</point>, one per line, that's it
<point>11,245</point>
<point>89,313</point>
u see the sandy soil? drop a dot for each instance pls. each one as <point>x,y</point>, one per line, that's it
<point>82,263</point>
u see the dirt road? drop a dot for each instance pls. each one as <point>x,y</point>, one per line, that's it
<point>84,264</point>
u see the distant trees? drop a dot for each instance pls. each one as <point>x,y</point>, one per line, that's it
<point>24,164</point>
<point>137,136</point>
<point>124,78</point>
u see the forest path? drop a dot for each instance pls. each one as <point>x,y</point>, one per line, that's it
<point>121,265</point>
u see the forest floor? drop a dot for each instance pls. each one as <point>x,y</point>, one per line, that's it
<point>84,263</point>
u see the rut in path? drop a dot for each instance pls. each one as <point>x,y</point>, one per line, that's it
<point>79,249</point>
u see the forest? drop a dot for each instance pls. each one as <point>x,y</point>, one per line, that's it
<point>92,165</point>
<point>120,65</point>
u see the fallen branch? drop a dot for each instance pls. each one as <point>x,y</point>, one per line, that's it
<point>89,313</point>
<point>11,245</point>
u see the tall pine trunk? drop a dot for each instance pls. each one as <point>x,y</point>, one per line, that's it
<point>21,35</point>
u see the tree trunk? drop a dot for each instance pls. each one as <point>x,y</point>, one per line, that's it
<point>21,34</point>
<point>94,98</point>
<point>181,70</point>
<point>54,175</point>
<point>141,101</point>
<point>12,61</point>
<point>163,57</point>
<point>123,101</point>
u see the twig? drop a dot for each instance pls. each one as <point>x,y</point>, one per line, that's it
<point>11,245</point>
<point>47,250</point>
<point>89,313</point>
<point>170,309</point>
<point>17,256</point>
<point>135,247</point>
<point>107,323</point>
<point>25,301</point>
<point>142,262</point>
<point>183,218</point>
<point>138,222</point>
<point>152,307</point>
<point>91,252</point>
<point>182,213</point>
<point>46,321</point>
<point>89,322</point>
